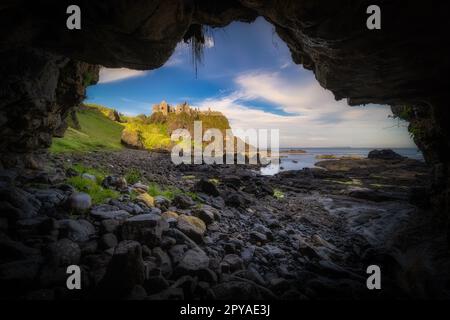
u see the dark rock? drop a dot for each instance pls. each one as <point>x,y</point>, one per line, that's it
<point>207,187</point>
<point>231,263</point>
<point>206,213</point>
<point>138,293</point>
<point>385,154</point>
<point>108,240</point>
<point>236,290</point>
<point>114,182</point>
<point>169,294</point>
<point>64,253</point>
<point>77,230</point>
<point>17,204</point>
<point>258,237</point>
<point>182,201</point>
<point>155,284</point>
<point>162,203</point>
<point>177,252</point>
<point>79,202</point>
<point>163,260</point>
<point>145,228</point>
<point>14,250</point>
<point>126,268</point>
<point>109,225</point>
<point>101,213</point>
<point>192,227</point>
<point>192,261</point>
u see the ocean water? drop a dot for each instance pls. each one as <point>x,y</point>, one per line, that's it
<point>308,159</point>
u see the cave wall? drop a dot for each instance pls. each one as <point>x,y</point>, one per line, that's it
<point>404,63</point>
<point>38,91</point>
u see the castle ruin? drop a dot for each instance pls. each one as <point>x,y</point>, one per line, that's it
<point>184,107</point>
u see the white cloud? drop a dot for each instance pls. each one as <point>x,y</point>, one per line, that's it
<point>317,120</point>
<point>209,42</point>
<point>111,75</point>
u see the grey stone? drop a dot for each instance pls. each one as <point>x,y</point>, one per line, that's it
<point>77,230</point>
<point>80,201</point>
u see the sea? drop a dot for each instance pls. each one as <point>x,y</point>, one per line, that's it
<point>289,161</point>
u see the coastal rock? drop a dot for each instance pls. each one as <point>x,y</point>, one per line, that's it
<point>206,213</point>
<point>147,199</point>
<point>182,201</point>
<point>114,182</point>
<point>126,268</point>
<point>77,230</point>
<point>80,202</point>
<point>191,226</point>
<point>145,228</point>
<point>385,154</point>
<point>192,261</point>
<point>64,252</point>
<point>207,187</point>
<point>105,213</point>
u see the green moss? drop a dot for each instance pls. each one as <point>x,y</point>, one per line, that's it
<point>214,181</point>
<point>97,193</point>
<point>278,194</point>
<point>169,192</point>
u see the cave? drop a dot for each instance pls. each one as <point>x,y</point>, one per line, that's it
<point>47,67</point>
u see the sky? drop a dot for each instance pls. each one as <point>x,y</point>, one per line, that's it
<point>247,73</point>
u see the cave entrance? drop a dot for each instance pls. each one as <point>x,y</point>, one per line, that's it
<point>245,71</point>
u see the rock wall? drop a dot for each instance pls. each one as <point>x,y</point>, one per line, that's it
<point>38,91</point>
<point>402,64</point>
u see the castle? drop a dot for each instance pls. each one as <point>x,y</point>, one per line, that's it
<point>184,107</point>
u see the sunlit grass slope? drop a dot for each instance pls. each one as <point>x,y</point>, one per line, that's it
<point>96,132</point>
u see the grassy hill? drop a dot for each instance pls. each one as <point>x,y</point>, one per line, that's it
<point>96,132</point>
<point>102,128</point>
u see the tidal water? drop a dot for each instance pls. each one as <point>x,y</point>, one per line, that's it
<point>308,159</point>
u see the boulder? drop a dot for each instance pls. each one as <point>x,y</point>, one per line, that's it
<point>231,263</point>
<point>193,260</point>
<point>145,228</point>
<point>132,139</point>
<point>17,204</point>
<point>105,213</point>
<point>114,182</point>
<point>107,241</point>
<point>126,268</point>
<point>147,199</point>
<point>80,202</point>
<point>207,187</point>
<point>64,253</point>
<point>183,201</point>
<point>192,227</point>
<point>77,230</point>
<point>207,214</point>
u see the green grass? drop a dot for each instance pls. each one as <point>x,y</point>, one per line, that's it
<point>169,192</point>
<point>278,194</point>
<point>133,175</point>
<point>99,174</point>
<point>97,192</point>
<point>153,135</point>
<point>97,133</point>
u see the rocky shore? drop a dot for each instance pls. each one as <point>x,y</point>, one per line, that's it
<point>226,233</point>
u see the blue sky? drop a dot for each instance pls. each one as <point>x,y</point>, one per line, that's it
<point>247,73</point>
